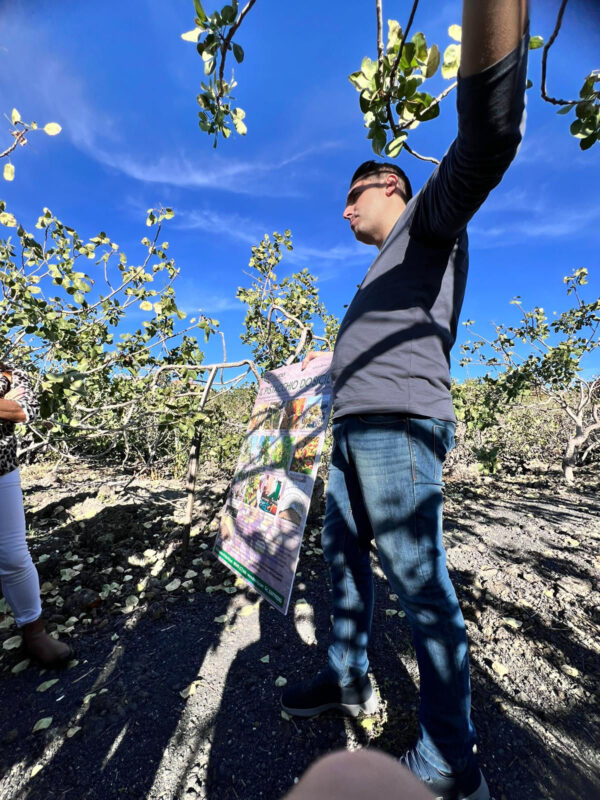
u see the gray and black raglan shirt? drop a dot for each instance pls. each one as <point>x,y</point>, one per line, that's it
<point>392,352</point>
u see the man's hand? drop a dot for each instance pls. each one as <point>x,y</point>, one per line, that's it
<point>15,394</point>
<point>490,30</point>
<point>314,354</point>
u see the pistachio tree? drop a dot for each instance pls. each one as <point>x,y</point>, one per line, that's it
<point>69,313</point>
<point>546,355</point>
<point>282,313</point>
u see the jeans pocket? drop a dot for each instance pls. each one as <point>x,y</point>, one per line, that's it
<point>443,441</point>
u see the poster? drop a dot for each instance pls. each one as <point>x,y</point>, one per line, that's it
<point>265,513</point>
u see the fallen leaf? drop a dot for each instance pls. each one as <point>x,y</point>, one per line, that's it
<point>389,612</point>
<point>191,573</point>
<point>37,768</point>
<point>568,670</point>
<point>512,622</point>
<point>72,731</point>
<point>285,715</point>
<point>280,681</point>
<point>175,584</point>
<point>21,666</point>
<point>189,690</point>
<point>12,643</point>
<point>222,618</point>
<point>500,669</point>
<point>42,724</point>
<point>265,659</point>
<point>43,687</point>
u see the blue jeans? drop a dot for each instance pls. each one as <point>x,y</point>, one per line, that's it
<point>385,482</point>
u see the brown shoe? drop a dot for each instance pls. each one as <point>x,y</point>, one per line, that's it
<point>48,651</point>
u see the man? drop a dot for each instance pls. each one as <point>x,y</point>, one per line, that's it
<point>393,416</point>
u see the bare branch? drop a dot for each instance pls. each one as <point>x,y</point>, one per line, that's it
<point>379,12</point>
<point>419,156</point>
<point>19,139</point>
<point>555,101</point>
<point>405,34</point>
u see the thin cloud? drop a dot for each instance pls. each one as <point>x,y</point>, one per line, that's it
<point>234,226</point>
<point>534,221</point>
<point>102,137</point>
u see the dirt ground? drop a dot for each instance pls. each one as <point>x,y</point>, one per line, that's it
<point>172,693</point>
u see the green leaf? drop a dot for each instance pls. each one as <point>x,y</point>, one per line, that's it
<point>52,128</point>
<point>451,61</point>
<point>15,116</point>
<point>566,109</point>
<point>394,147</point>
<point>228,15</point>
<point>200,12</point>
<point>9,172</point>
<point>433,61</point>
<point>238,53</point>
<point>145,305</point>
<point>8,220</point>
<point>455,32</point>
<point>420,46</point>
<point>535,42</point>
<point>586,143</point>
<point>192,36</point>
<point>42,724</point>
<point>43,687</point>
<point>368,68</point>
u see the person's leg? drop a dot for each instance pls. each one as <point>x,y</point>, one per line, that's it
<point>398,461</point>
<point>346,540</point>
<point>18,575</point>
<point>344,685</point>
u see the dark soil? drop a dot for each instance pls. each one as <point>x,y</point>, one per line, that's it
<point>525,560</point>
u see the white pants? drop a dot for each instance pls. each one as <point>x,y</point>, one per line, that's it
<point>18,576</point>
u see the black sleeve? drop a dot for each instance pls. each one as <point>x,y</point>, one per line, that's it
<point>491,121</point>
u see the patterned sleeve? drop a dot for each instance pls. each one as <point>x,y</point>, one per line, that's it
<point>29,402</point>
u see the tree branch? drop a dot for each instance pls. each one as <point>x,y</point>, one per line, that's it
<point>379,12</point>
<point>19,139</point>
<point>227,41</point>
<point>555,101</point>
<point>405,34</point>
<point>419,156</point>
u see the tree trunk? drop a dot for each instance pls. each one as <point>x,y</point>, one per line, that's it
<point>569,461</point>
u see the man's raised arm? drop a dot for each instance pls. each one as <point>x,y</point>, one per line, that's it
<point>490,30</point>
<point>491,105</point>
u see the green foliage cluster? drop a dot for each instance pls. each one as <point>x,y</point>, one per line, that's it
<point>586,126</point>
<point>297,296</point>
<point>64,304</point>
<point>498,435</point>
<point>395,80</point>
<point>213,35</point>
<point>543,356</point>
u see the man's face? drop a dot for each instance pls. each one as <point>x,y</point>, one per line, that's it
<point>367,206</point>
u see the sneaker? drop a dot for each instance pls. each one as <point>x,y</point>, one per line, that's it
<point>324,692</point>
<point>466,785</point>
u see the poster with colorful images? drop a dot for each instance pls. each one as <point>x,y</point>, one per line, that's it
<point>264,517</point>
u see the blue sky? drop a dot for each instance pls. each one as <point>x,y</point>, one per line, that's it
<point>122,83</point>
